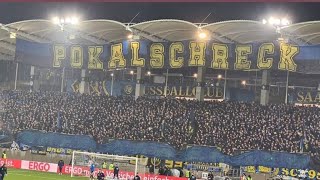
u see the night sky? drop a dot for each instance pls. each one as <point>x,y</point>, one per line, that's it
<point>193,12</point>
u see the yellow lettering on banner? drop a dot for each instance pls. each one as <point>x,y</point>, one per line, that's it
<point>251,169</point>
<point>169,163</point>
<point>285,171</point>
<point>300,97</point>
<point>293,172</point>
<point>242,62</point>
<point>308,97</point>
<point>117,58</point>
<point>135,60</point>
<point>48,149</point>
<point>157,55</point>
<point>318,175</point>
<point>69,151</point>
<point>176,62</point>
<point>143,160</point>
<point>265,63</point>
<point>76,57</point>
<point>276,171</point>
<point>133,161</point>
<point>59,54</point>
<point>94,57</point>
<point>220,56</point>
<point>264,169</point>
<point>317,98</point>
<point>155,161</point>
<point>312,174</point>
<point>197,53</point>
<point>178,164</point>
<point>287,53</point>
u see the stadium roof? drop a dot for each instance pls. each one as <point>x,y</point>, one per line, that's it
<point>103,31</point>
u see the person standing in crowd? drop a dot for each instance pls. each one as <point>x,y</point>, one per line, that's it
<point>137,177</point>
<point>116,172</point>
<point>210,176</point>
<point>3,171</point>
<point>60,165</point>
<point>243,177</point>
<point>111,167</point>
<point>4,155</point>
<point>161,170</point>
<point>249,177</point>
<point>188,173</point>
<point>104,165</point>
<point>100,175</point>
<point>193,177</point>
<point>92,167</point>
<point>151,169</point>
<point>181,172</point>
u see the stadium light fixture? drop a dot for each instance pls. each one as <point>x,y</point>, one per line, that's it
<point>285,22</point>
<point>69,20</point>
<point>202,35</point>
<point>130,36</point>
<point>13,35</point>
<point>276,21</point>
<point>243,82</point>
<point>264,21</point>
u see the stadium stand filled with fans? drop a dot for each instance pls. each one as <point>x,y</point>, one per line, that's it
<point>231,126</point>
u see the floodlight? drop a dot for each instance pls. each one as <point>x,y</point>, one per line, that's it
<point>55,20</point>
<point>68,20</point>
<point>277,21</point>
<point>61,21</point>
<point>131,72</point>
<point>219,76</point>
<point>74,20</point>
<point>271,21</point>
<point>149,73</point>
<point>13,35</point>
<point>130,36</point>
<point>264,21</point>
<point>111,74</point>
<point>285,22</point>
<point>202,35</point>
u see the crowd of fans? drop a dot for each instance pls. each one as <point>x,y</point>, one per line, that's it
<point>231,126</point>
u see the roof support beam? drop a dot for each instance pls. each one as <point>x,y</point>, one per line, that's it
<point>298,41</point>
<point>291,38</point>
<point>146,35</point>
<point>220,38</point>
<point>6,57</point>
<point>26,35</point>
<point>88,37</point>
<point>7,46</point>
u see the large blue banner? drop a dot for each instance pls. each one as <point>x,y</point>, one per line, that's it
<point>164,151</point>
<point>271,55</point>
